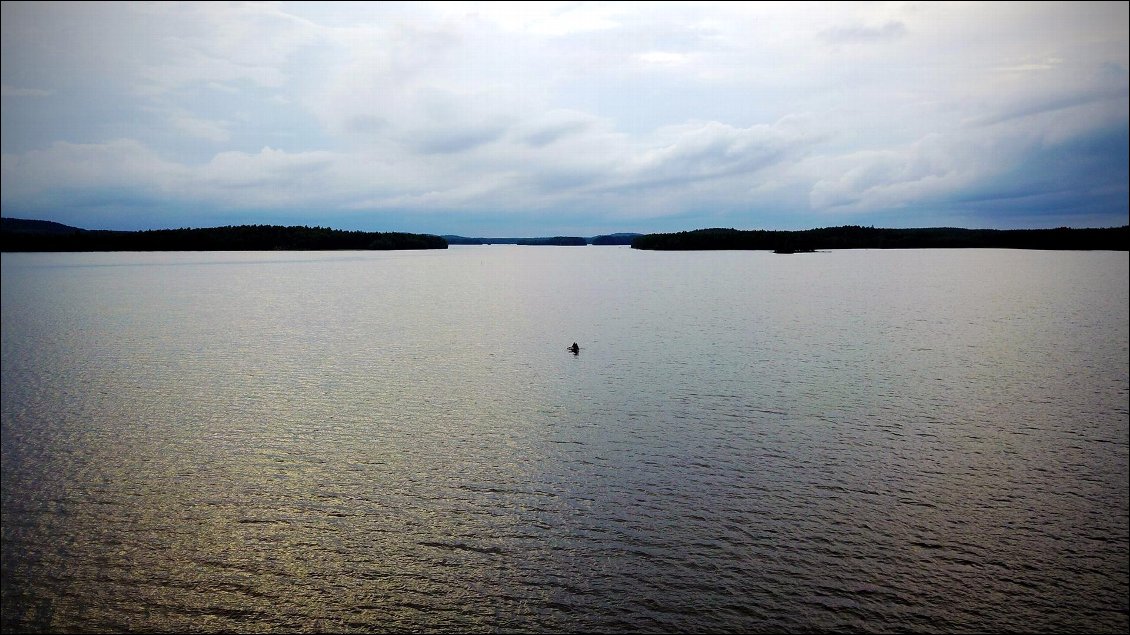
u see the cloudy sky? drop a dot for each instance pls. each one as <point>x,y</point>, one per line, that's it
<point>492,119</point>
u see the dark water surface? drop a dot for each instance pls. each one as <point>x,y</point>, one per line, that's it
<point>930,441</point>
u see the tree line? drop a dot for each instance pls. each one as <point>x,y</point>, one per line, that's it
<point>856,237</point>
<point>228,238</point>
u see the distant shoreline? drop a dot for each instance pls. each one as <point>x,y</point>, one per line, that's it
<point>24,235</point>
<point>21,235</point>
<point>855,237</point>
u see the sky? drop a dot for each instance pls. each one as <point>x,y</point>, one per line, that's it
<point>565,118</point>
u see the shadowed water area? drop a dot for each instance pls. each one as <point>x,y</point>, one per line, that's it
<point>913,440</point>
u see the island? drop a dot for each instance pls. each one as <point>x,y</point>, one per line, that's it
<point>856,237</point>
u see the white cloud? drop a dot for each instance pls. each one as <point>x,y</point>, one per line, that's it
<point>704,151</point>
<point>269,177</point>
<point>662,57</point>
<point>214,131</point>
<point>553,19</point>
<point>269,166</point>
<point>1031,65</point>
<point>865,34</point>
<point>922,172</point>
<point>120,163</point>
<point>221,44</point>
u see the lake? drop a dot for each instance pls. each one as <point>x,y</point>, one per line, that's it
<point>861,440</point>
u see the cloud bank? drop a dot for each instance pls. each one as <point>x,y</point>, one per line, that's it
<point>534,119</point>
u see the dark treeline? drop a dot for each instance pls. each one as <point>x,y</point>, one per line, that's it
<point>855,237</point>
<point>28,235</point>
<point>230,238</point>
<point>555,240</point>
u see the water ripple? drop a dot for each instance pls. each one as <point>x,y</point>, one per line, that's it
<point>872,441</point>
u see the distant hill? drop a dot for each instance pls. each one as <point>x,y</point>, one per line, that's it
<point>606,239</point>
<point>537,240</point>
<point>26,226</point>
<point>496,240</point>
<point>28,235</point>
<point>622,238</point>
<point>464,240</point>
<point>855,237</point>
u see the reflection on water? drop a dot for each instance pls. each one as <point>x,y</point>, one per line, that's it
<point>859,440</point>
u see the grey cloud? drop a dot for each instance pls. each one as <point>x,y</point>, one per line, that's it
<point>932,167</point>
<point>1052,103</point>
<point>713,151</point>
<point>456,140</point>
<point>364,125</point>
<point>857,33</point>
<point>568,179</point>
<point>977,169</point>
<point>12,91</point>
<point>553,132</point>
<point>1090,168</point>
<point>555,126</point>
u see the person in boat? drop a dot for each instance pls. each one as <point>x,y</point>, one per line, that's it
<point>576,349</point>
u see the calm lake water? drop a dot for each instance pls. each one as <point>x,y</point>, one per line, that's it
<point>930,441</point>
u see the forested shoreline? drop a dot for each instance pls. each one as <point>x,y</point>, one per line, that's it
<point>27,235</point>
<point>229,238</point>
<point>856,237</point>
